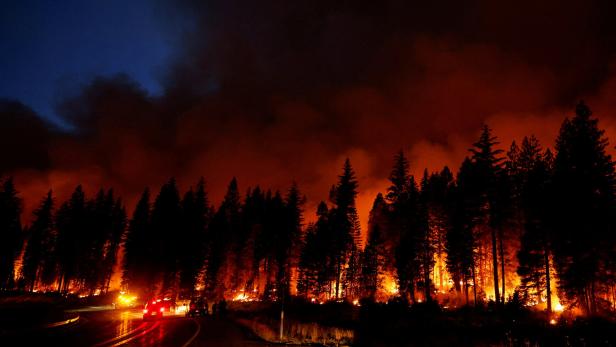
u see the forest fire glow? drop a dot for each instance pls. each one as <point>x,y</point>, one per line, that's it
<point>558,307</point>
<point>390,285</point>
<point>244,297</point>
<point>437,238</point>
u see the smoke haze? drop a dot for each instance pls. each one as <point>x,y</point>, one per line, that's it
<point>275,91</point>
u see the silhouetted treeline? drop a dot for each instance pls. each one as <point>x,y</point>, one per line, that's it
<point>526,224</point>
<point>73,247</point>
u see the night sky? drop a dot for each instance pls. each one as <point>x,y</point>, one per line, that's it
<point>129,93</point>
<point>51,48</point>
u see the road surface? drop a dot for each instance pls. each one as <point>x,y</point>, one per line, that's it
<point>111,328</point>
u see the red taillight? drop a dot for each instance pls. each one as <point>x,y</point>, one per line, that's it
<point>162,309</point>
<point>145,311</point>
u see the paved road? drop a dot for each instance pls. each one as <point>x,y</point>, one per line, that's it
<point>126,328</point>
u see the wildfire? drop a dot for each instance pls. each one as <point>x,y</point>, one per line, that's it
<point>390,285</point>
<point>243,297</point>
<point>558,307</point>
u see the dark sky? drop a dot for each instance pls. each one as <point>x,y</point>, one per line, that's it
<point>52,47</point>
<point>273,91</point>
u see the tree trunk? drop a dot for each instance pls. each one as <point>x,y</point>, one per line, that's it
<point>60,283</point>
<point>428,297</point>
<point>495,266</point>
<point>440,272</point>
<point>502,260</point>
<point>412,290</point>
<point>593,308</point>
<point>456,283</point>
<point>474,283</point>
<point>465,289</point>
<point>108,283</point>
<point>548,288</point>
<point>338,270</point>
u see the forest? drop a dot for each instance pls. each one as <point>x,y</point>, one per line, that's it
<point>525,222</point>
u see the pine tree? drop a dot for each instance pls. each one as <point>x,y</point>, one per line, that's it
<point>195,218</point>
<point>465,210</point>
<point>307,281</point>
<point>488,165</point>
<point>275,227</point>
<point>399,178</point>
<point>532,177</point>
<point>343,219</point>
<point>374,255</point>
<point>139,249</point>
<point>314,269</point>
<point>352,274</point>
<point>222,235</point>
<point>71,224</point>
<point>10,232</point>
<point>436,194</point>
<point>425,241</point>
<point>400,221</point>
<point>255,217</point>
<point>93,240</point>
<point>289,238</point>
<point>40,244</point>
<point>166,219</point>
<point>407,216</point>
<point>117,229</point>
<point>583,207</point>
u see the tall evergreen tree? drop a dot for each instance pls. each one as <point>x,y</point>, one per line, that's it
<point>139,249</point>
<point>222,236</point>
<point>196,216</point>
<point>344,221</point>
<point>437,194</point>
<point>399,198</point>
<point>399,178</point>
<point>117,229</point>
<point>93,240</point>
<point>256,221</point>
<point>488,163</point>
<point>10,232</point>
<point>425,240</point>
<point>314,274</point>
<point>465,211</point>
<point>40,245</point>
<point>374,256</point>
<point>583,194</point>
<point>71,224</point>
<point>532,173</point>
<point>289,238</point>
<point>274,228</point>
<point>166,219</point>
<point>407,216</point>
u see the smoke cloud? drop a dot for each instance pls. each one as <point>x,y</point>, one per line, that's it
<point>276,91</point>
